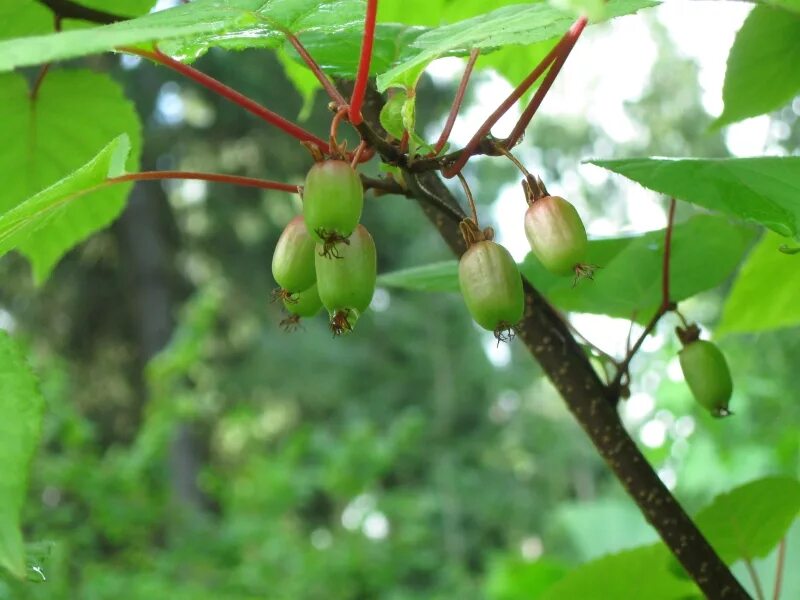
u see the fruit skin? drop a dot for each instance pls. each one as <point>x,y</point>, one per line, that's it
<point>305,303</point>
<point>293,261</point>
<point>708,376</point>
<point>491,286</point>
<point>556,234</point>
<point>333,198</point>
<point>348,282</point>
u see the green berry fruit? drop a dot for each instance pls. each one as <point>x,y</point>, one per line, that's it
<point>556,234</point>
<point>492,287</point>
<point>305,303</point>
<point>708,376</point>
<point>293,261</point>
<point>333,198</point>
<point>347,283</point>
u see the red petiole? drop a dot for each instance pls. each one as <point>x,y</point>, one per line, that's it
<point>229,93</point>
<point>357,98</point>
<point>563,47</point>
<point>462,88</point>
<point>330,89</point>
<point>265,184</point>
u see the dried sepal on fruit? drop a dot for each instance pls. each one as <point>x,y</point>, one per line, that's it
<point>557,236</point>
<point>333,198</point>
<point>706,372</point>
<point>346,285</point>
<point>293,260</point>
<point>490,282</point>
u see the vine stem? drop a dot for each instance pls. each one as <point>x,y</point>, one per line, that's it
<point>457,101</point>
<point>37,84</point>
<point>265,184</point>
<point>360,88</point>
<point>666,304</point>
<point>230,94</point>
<point>329,88</point>
<point>512,98</point>
<point>571,38</point>
<point>470,199</point>
<point>754,578</point>
<point>776,593</point>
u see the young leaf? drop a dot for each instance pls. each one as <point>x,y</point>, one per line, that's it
<point>188,30</point>
<point>520,24</point>
<point>21,408</point>
<point>765,293</point>
<point>30,224</point>
<point>749,521</point>
<point>621,576</point>
<point>705,251</point>
<point>74,115</point>
<point>765,190</point>
<point>762,73</point>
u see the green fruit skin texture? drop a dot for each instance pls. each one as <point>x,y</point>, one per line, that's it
<point>491,285</point>
<point>333,198</point>
<point>707,374</point>
<point>307,303</point>
<point>556,234</point>
<point>348,282</point>
<point>293,260</point>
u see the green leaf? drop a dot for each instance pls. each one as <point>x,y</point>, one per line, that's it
<point>765,190</point>
<point>21,408</point>
<point>792,5</point>
<point>621,576</point>
<point>518,579</point>
<point>520,24</point>
<point>73,116</point>
<point>764,295</point>
<point>436,277</point>
<point>762,73</point>
<point>705,251</point>
<point>20,18</point>
<point>749,521</point>
<point>32,221</point>
<point>188,30</point>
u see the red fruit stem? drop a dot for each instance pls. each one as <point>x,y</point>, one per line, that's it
<point>357,98</point>
<point>229,93</point>
<point>518,92</point>
<point>215,177</point>
<point>776,593</point>
<point>754,578</point>
<point>462,88</point>
<point>572,37</point>
<point>315,68</point>
<point>337,118</point>
<point>470,199</point>
<point>358,153</point>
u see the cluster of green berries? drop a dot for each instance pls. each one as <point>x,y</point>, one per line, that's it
<point>488,276</point>
<point>326,257</point>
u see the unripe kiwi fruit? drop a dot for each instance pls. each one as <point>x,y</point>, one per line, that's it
<point>707,374</point>
<point>491,286</point>
<point>556,234</point>
<point>333,199</point>
<point>293,261</point>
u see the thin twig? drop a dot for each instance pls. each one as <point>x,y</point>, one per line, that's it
<point>230,94</point>
<point>329,88</point>
<point>754,577</point>
<point>512,98</point>
<point>360,88</point>
<point>215,177</point>
<point>462,88</point>
<point>72,10</point>
<point>470,199</point>
<point>37,84</point>
<point>571,38</point>
<point>776,593</point>
<point>666,305</point>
